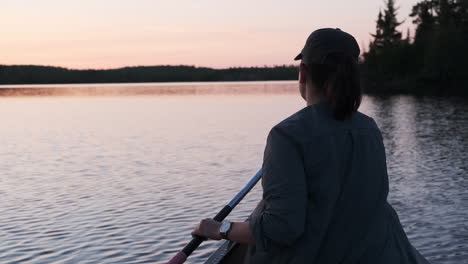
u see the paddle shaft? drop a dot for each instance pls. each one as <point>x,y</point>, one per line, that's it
<point>197,240</point>
<point>180,257</point>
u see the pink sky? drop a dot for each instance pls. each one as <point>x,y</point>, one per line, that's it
<point>116,33</point>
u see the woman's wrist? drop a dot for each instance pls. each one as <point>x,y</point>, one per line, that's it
<point>239,231</point>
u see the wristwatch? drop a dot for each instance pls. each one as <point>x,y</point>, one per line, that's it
<point>225,228</point>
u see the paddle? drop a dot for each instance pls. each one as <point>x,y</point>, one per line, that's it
<point>182,255</point>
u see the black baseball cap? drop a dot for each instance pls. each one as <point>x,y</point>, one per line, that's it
<point>323,42</point>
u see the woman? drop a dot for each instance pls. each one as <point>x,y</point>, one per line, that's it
<point>325,180</point>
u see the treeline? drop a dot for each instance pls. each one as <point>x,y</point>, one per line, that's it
<point>30,74</point>
<point>434,61</point>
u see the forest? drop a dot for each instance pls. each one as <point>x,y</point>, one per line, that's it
<point>434,61</point>
<point>31,74</point>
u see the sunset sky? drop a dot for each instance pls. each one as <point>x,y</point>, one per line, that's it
<point>213,33</point>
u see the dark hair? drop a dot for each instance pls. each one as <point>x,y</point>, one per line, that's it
<point>339,82</point>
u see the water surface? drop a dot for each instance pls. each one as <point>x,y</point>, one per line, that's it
<point>123,179</point>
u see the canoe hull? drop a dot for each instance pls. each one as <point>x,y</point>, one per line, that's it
<point>228,253</point>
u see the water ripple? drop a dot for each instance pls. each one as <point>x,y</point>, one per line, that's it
<point>124,179</point>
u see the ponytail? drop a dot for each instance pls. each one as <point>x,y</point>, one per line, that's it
<point>338,80</point>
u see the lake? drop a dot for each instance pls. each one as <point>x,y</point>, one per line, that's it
<point>115,175</point>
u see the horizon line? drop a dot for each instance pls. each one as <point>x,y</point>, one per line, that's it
<point>157,65</point>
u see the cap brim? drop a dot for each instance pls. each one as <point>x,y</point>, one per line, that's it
<point>298,57</point>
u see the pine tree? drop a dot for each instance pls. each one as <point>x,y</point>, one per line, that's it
<point>383,55</point>
<point>390,33</point>
<point>386,33</point>
<point>424,18</point>
<point>378,42</point>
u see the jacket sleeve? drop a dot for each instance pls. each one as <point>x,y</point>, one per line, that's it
<point>284,193</point>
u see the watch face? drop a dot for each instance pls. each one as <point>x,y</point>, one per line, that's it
<point>225,227</point>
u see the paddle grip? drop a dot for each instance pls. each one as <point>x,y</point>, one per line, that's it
<point>192,245</point>
<point>223,213</point>
<point>179,258</point>
<point>196,241</point>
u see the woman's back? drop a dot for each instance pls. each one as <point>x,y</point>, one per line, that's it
<point>325,181</point>
<point>325,194</point>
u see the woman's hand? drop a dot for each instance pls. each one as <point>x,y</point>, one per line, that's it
<point>208,228</point>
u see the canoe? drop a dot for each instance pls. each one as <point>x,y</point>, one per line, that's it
<point>228,253</point>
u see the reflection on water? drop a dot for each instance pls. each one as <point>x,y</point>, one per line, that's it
<point>124,179</point>
<point>126,89</point>
<point>426,143</point>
